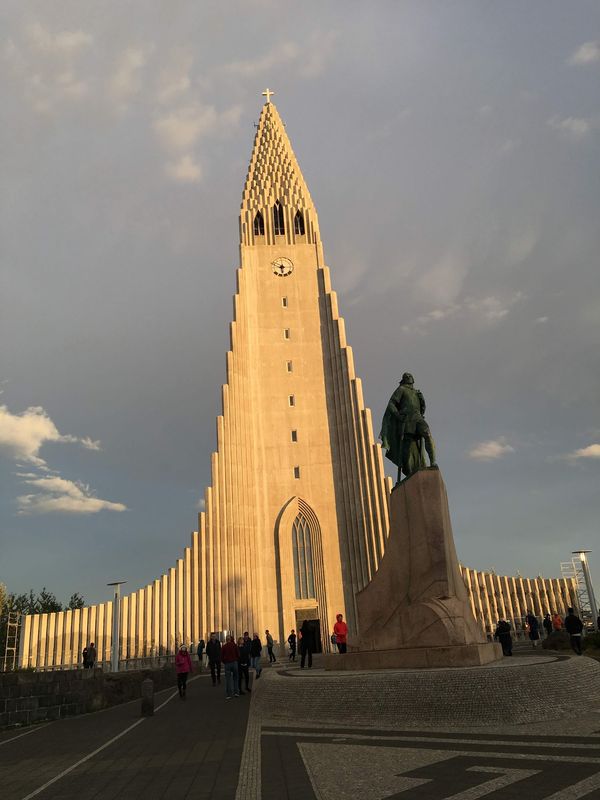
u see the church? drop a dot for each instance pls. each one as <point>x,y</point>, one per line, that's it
<point>297,514</point>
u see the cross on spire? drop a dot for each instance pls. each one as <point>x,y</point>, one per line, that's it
<point>267,93</point>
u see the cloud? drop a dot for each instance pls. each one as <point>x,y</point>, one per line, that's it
<point>185,170</point>
<point>63,43</point>
<point>489,309</point>
<point>174,78</point>
<point>23,435</point>
<point>575,128</point>
<point>282,53</point>
<point>490,450</point>
<point>541,320</point>
<point>521,246</point>
<point>492,308</point>
<point>45,64</point>
<point>181,129</point>
<point>310,58</point>
<point>55,494</point>
<point>587,53</point>
<point>90,444</point>
<point>127,77</point>
<point>591,451</point>
<point>442,283</point>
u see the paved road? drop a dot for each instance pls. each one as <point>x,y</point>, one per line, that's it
<point>188,749</point>
<point>208,747</point>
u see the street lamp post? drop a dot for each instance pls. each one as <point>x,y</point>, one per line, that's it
<point>588,584</point>
<point>116,626</point>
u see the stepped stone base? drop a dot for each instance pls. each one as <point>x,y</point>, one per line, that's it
<point>415,612</point>
<point>467,655</point>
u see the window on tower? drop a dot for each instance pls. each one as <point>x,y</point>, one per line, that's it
<point>259,225</point>
<point>278,224</point>
<point>304,581</point>
<point>299,223</point>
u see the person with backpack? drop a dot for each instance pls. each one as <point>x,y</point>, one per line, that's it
<point>574,627</point>
<point>270,644</point>
<point>547,623</point>
<point>503,634</point>
<point>306,644</point>
<point>292,643</point>
<point>244,663</point>
<point>340,630</point>
<point>255,651</point>
<point>534,628</point>
<point>213,653</point>
<point>201,647</point>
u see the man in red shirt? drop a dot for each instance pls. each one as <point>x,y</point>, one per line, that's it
<point>340,630</point>
<point>230,655</point>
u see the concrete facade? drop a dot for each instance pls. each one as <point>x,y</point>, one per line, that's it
<point>297,514</point>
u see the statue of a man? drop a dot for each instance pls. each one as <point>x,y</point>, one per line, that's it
<point>404,429</point>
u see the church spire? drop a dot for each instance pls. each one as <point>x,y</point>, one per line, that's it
<point>275,201</point>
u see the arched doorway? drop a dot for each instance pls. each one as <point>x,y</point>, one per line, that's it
<point>301,576</point>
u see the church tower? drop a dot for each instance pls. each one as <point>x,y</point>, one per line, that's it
<point>297,516</point>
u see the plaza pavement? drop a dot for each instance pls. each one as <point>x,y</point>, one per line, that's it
<point>294,744</point>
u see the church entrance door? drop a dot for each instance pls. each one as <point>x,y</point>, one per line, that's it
<point>310,614</point>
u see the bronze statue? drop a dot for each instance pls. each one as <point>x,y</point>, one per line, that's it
<point>404,430</point>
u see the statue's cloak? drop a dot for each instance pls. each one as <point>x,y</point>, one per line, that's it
<point>391,435</point>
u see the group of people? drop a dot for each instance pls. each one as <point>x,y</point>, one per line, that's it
<point>236,658</point>
<point>551,623</point>
<point>89,656</point>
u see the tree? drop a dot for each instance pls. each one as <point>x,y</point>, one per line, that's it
<point>47,602</point>
<point>76,601</point>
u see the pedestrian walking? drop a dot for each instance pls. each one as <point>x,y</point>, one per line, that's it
<point>574,627</point>
<point>201,646</point>
<point>306,644</point>
<point>547,623</point>
<point>340,630</point>
<point>183,667</point>
<point>84,657</point>
<point>504,636</point>
<point>270,644</point>
<point>213,653</point>
<point>292,644</point>
<point>557,622</point>
<point>230,655</point>
<point>91,655</point>
<point>255,651</point>
<point>244,664</point>
<point>534,628</point>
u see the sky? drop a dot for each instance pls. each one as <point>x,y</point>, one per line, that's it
<point>452,151</point>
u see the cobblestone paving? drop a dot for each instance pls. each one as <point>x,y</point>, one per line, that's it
<point>316,737</point>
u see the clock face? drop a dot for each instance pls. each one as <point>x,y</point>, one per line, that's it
<point>282,267</point>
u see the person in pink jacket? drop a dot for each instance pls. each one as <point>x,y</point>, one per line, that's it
<point>183,666</point>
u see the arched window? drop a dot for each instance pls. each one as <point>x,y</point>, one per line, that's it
<point>259,225</point>
<point>299,223</point>
<point>304,580</point>
<point>278,225</point>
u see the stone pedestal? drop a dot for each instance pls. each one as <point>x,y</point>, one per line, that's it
<point>416,612</point>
